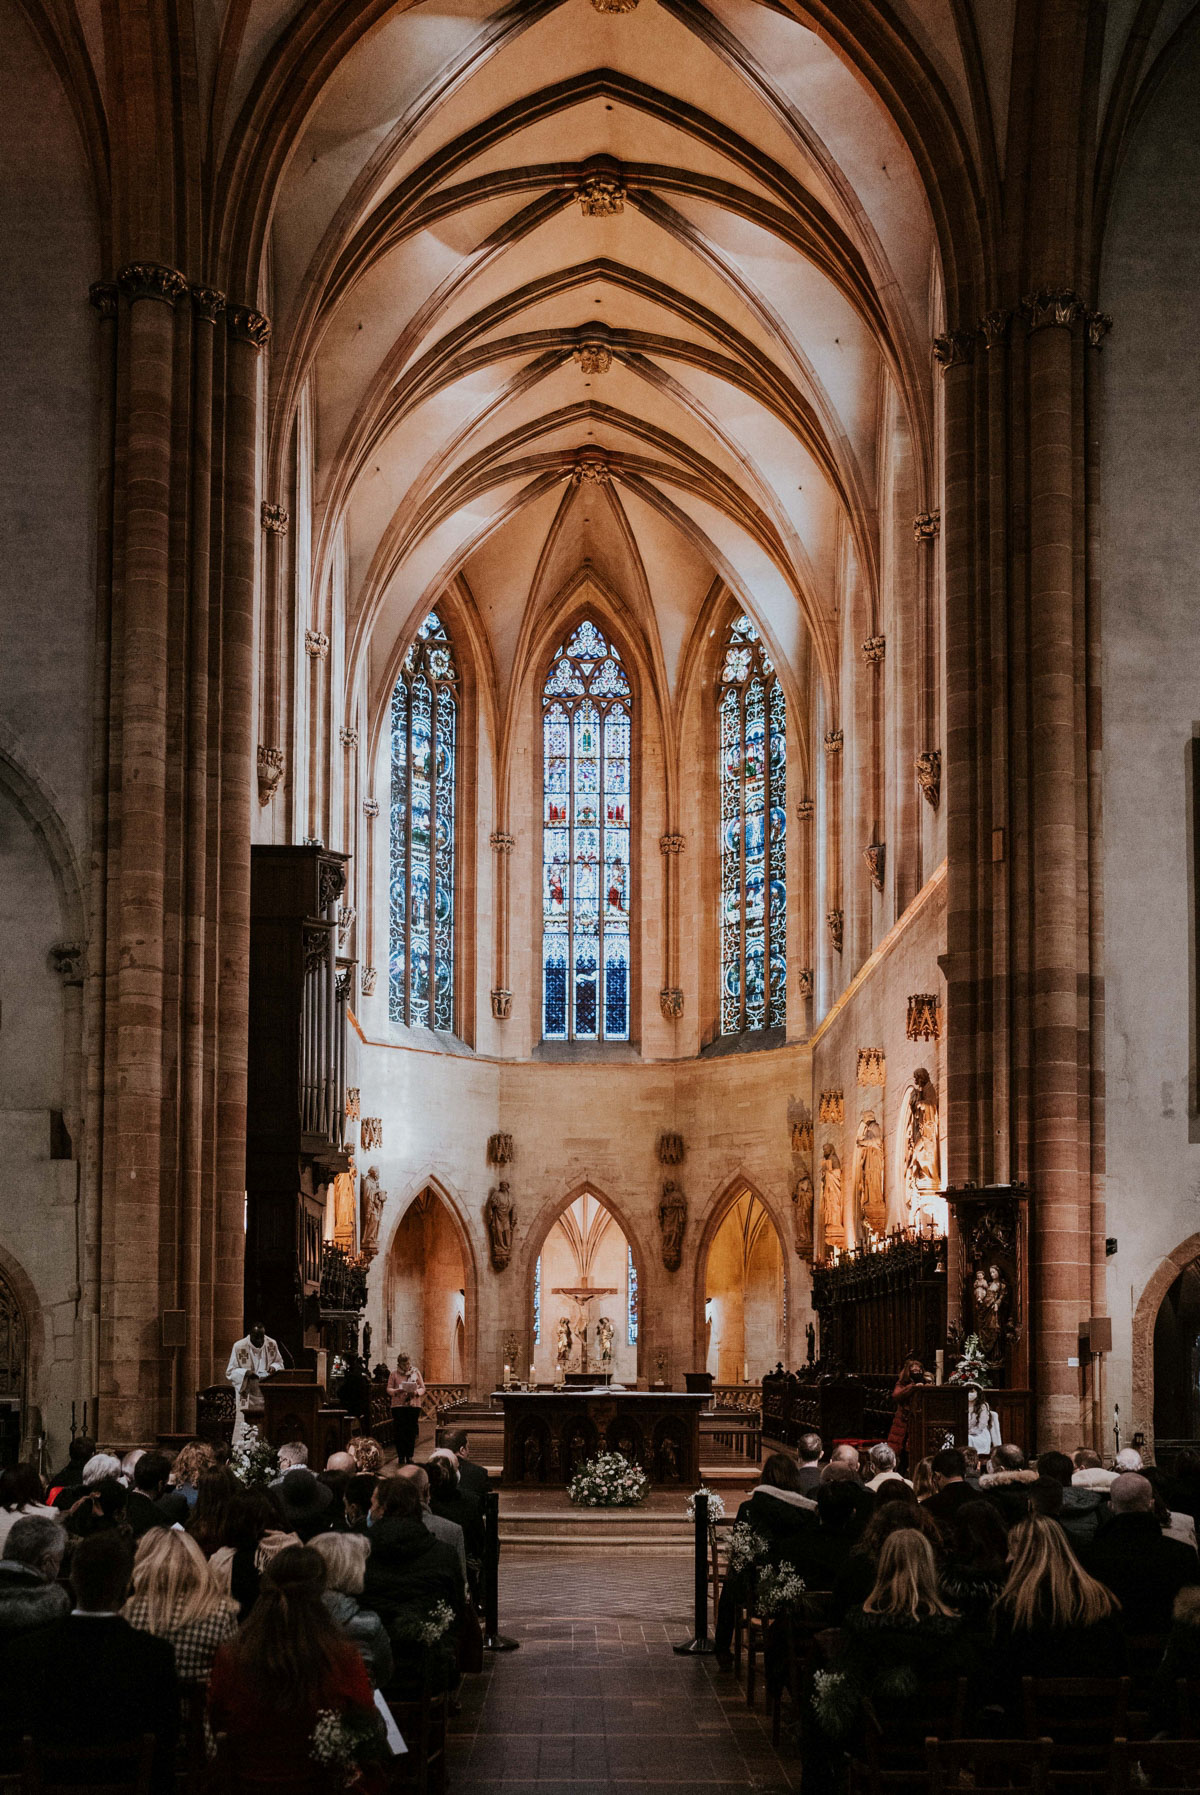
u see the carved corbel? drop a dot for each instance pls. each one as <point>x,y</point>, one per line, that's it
<point>271,763</point>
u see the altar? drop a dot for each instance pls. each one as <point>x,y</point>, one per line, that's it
<point>549,1434</point>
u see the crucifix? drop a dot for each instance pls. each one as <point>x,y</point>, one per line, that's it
<point>582,1294</point>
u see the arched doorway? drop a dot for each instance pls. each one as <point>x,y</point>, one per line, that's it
<point>14,1344</point>
<point>1177,1359</point>
<point>427,1291</point>
<point>745,1293</point>
<point>586,1249</point>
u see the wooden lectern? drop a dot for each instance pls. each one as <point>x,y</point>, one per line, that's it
<point>937,1417</point>
<point>296,1409</point>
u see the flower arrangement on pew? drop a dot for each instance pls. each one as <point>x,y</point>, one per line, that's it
<point>747,1548</point>
<point>338,1742</point>
<point>608,1481</point>
<point>781,1590</point>
<point>716,1507</point>
<point>253,1461</point>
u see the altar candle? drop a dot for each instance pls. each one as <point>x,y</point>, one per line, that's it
<point>940,1362</point>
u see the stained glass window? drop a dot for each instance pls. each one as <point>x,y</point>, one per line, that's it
<point>537,1301</point>
<point>586,714</point>
<point>633,1301</point>
<point>753,733</point>
<point>424,725</point>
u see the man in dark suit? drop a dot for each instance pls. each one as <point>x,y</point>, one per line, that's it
<point>143,1509</point>
<point>92,1679</point>
<point>1131,1555</point>
<point>949,1473</point>
<point>808,1461</point>
<point>472,1477</point>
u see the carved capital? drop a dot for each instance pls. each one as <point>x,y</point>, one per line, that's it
<point>271,763</point>
<point>929,774</point>
<point>366,981</point>
<point>874,857</point>
<point>615,6</point>
<point>594,358</point>
<point>370,1133</point>
<point>501,1003</point>
<point>954,350</point>
<point>247,325</point>
<point>274,518</point>
<point>806,809</point>
<point>872,1066</point>
<point>371,808</point>
<point>103,294</point>
<point>151,280</point>
<point>833,741</point>
<point>590,469</point>
<point>836,921</point>
<point>993,328</point>
<point>601,195</point>
<point>1098,326</point>
<point>1047,310</point>
<point>670,1000</point>
<point>67,960</point>
<point>805,981</point>
<point>345,922</point>
<point>670,844</point>
<point>207,303</point>
<point>924,1021</point>
<point>316,644</point>
<point>874,649</point>
<point>926,526</point>
<point>349,737</point>
<point>502,841</point>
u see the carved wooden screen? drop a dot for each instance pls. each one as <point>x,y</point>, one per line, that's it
<point>12,1342</point>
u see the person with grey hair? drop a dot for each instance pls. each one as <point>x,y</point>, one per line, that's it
<point>345,1556</point>
<point>100,1466</point>
<point>292,1456</point>
<point>1130,1556</point>
<point>29,1595</point>
<point>448,1532</point>
<point>883,1466</point>
<point>809,1448</point>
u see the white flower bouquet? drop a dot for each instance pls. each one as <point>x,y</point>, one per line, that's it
<point>781,1590</point>
<point>254,1461</point>
<point>746,1547</point>
<point>344,1742</point>
<point>716,1507</point>
<point>609,1481</point>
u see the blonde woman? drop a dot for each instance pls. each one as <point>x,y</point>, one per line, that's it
<point>190,1460</point>
<point>345,1556</point>
<point>1050,1613</point>
<point>177,1598</point>
<point>922,1479</point>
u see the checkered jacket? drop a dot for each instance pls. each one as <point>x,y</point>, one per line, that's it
<point>194,1645</point>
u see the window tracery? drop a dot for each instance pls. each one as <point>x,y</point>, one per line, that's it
<point>424,731</point>
<point>586,719</point>
<point>752,714</point>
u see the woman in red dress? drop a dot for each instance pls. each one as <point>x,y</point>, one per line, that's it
<point>912,1373</point>
<point>290,1663</point>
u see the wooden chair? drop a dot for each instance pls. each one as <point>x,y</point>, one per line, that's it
<point>989,1766</point>
<point>1082,1715</point>
<point>897,1760</point>
<point>124,1769</point>
<point>1166,1766</point>
<point>422,1725</point>
<point>1187,1707</point>
<point>804,1656</point>
<point>228,1776</point>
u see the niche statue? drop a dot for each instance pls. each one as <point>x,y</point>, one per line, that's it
<point>672,1219</point>
<point>802,1197</point>
<point>868,1176</point>
<point>501,1216</point>
<point>371,1201</point>
<point>833,1219</point>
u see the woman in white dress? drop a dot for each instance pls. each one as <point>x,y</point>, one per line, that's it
<point>983,1425</point>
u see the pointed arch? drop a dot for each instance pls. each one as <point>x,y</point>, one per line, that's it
<point>539,1230</point>
<point>722,1203</point>
<point>439,1188</point>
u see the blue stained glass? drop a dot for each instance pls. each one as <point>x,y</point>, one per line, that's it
<point>752,764</point>
<point>537,1301</point>
<point>586,841</point>
<point>422,836</point>
<point>631,1277</point>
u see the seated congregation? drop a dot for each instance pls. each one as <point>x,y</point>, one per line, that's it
<point>889,1611</point>
<point>165,1626</point>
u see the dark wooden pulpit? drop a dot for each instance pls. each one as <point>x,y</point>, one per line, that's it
<point>937,1417</point>
<point>297,1409</point>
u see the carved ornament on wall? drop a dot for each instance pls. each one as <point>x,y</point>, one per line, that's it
<point>926,525</point>
<point>874,857</point>
<point>366,981</point>
<point>594,358</point>
<point>316,644</point>
<point>370,808</point>
<point>929,774</point>
<point>954,350</point>
<point>271,762</point>
<point>806,810</point>
<point>924,1022</point>
<point>836,921</point>
<point>67,960</point>
<point>500,1149</point>
<point>804,981</point>
<point>833,741</point>
<point>874,649</point>
<point>601,195</point>
<point>670,844</point>
<point>670,1000</point>
<point>349,738</point>
<point>501,1003</point>
<point>352,1095</point>
<point>345,920</point>
<point>275,519</point>
<point>370,1132</point>
<point>802,1137</point>
<point>831,1107</point>
<point>502,841</point>
<point>671,1149</point>
<point>872,1066</point>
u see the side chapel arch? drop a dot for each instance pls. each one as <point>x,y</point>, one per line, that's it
<point>463,1330</point>
<point>1145,1319</point>
<point>536,1237</point>
<point>720,1209</point>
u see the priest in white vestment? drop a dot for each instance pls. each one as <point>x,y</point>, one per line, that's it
<point>252,1358</point>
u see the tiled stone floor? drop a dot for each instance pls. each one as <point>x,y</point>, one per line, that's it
<point>603,1706</point>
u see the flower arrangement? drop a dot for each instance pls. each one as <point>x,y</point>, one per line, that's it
<point>746,1547</point>
<point>254,1462</point>
<point>344,1742</point>
<point>716,1507</point>
<point>973,1365</point>
<point>781,1590</point>
<point>609,1481</point>
<point>432,1629</point>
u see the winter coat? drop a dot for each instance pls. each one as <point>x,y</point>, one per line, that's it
<point>1009,1492</point>
<point>28,1600</point>
<point>887,1660</point>
<point>365,1630</point>
<point>1082,1514</point>
<point>408,1573</point>
<point>778,1515</point>
<point>1180,1663</point>
<point>971,1589</point>
<point>1044,1651</point>
<point>1144,1570</point>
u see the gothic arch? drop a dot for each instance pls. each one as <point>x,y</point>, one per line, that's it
<point>455,1208</point>
<point>17,1295</point>
<point>719,1206</point>
<point>535,1240</point>
<point>1144,1318</point>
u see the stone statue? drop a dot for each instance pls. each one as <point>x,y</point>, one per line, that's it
<point>562,1351</point>
<point>833,1218</point>
<point>371,1199</point>
<point>868,1176</point>
<point>672,1219</point>
<point>605,1333</point>
<point>802,1197</point>
<point>810,1344</point>
<point>922,1164</point>
<point>989,1300</point>
<point>501,1218</point>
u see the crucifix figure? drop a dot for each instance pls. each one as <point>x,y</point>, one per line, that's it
<point>581,1295</point>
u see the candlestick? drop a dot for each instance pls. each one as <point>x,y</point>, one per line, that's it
<point>939,1359</point>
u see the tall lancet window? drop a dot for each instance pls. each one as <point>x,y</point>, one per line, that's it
<point>424,727</point>
<point>753,723</point>
<point>586,713</point>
